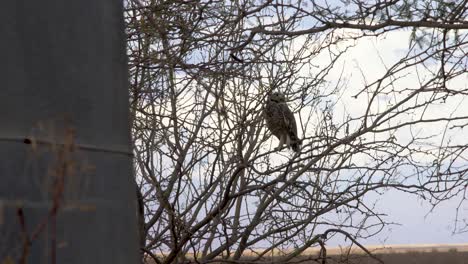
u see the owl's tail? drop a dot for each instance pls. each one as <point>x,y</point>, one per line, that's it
<point>295,143</point>
<point>296,146</point>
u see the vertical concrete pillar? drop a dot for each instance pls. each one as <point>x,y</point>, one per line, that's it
<point>66,188</point>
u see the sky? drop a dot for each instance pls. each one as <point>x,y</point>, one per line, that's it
<point>418,222</point>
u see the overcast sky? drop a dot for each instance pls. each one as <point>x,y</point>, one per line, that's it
<point>418,224</point>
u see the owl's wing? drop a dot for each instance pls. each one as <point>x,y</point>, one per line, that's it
<point>289,121</point>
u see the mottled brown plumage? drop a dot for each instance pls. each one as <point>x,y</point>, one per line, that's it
<point>280,121</point>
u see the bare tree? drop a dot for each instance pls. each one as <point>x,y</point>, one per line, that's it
<point>214,187</point>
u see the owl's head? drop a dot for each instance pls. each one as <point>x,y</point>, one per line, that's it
<point>277,97</point>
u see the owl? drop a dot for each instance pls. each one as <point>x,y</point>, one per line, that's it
<point>280,121</point>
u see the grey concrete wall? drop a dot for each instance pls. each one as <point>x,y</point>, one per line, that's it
<point>64,134</point>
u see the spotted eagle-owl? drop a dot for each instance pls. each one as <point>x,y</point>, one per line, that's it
<point>280,121</point>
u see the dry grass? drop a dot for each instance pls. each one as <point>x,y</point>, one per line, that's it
<point>393,249</point>
<point>410,257</point>
<point>389,254</point>
<point>395,254</point>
